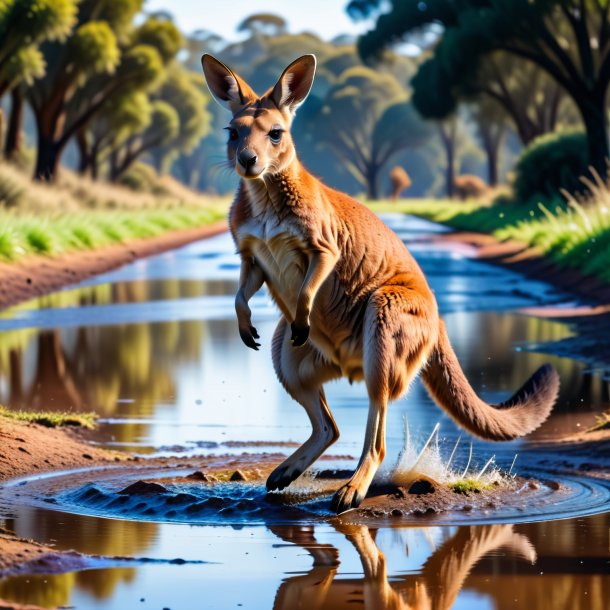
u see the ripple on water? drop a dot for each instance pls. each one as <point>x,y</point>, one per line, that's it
<point>120,496</point>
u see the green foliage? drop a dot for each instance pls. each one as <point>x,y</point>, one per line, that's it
<point>549,164</point>
<point>23,25</point>
<point>165,123</point>
<point>560,37</point>
<point>161,34</point>
<point>94,48</point>
<point>141,68</point>
<point>52,419</point>
<point>139,177</point>
<point>24,66</point>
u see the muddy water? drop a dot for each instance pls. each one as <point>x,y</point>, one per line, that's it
<point>153,348</point>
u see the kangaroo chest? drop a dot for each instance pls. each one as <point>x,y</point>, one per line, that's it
<point>279,251</point>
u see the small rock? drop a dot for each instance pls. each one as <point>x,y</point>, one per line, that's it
<point>143,488</point>
<point>533,485</point>
<point>197,476</point>
<point>421,487</point>
<point>238,475</point>
<point>467,508</point>
<point>87,456</point>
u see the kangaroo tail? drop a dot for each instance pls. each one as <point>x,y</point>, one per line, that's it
<point>525,411</point>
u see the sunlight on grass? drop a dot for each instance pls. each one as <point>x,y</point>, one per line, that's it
<point>574,232</point>
<point>55,233</point>
<point>51,419</point>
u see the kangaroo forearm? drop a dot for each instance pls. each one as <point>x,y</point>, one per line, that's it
<point>320,267</point>
<point>251,279</point>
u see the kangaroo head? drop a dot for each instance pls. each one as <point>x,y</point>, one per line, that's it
<point>259,140</point>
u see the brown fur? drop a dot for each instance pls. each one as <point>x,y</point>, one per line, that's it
<point>354,302</point>
<point>399,179</point>
<point>469,187</point>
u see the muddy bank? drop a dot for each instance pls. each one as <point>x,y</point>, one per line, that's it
<point>27,449</point>
<point>40,275</point>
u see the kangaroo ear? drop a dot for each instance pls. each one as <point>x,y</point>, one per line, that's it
<point>228,89</point>
<point>294,84</point>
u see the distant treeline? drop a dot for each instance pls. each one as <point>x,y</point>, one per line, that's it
<point>102,85</point>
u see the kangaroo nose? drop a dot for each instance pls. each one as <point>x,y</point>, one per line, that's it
<point>247,158</point>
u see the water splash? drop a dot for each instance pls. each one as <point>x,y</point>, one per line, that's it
<point>428,462</point>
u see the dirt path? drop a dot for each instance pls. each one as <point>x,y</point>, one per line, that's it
<point>39,275</point>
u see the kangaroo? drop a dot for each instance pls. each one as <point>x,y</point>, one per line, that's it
<point>354,302</point>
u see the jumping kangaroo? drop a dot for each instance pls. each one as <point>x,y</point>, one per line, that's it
<point>354,301</point>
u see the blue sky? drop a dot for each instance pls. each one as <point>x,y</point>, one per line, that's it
<point>327,18</point>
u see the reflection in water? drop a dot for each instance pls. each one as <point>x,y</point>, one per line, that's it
<point>187,377</point>
<point>105,537</point>
<point>525,566</point>
<point>435,588</point>
<point>559,565</point>
<point>139,371</point>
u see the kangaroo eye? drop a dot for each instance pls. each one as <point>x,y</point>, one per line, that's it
<point>275,135</point>
<point>233,135</point>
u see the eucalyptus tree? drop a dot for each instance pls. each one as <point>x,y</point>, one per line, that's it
<point>569,40</point>
<point>366,119</point>
<point>101,58</point>
<point>24,24</point>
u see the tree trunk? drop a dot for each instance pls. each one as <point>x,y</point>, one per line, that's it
<point>372,176</point>
<point>84,157</point>
<point>47,159</point>
<point>450,172</point>
<point>12,144</point>
<point>593,111</point>
<point>95,162</point>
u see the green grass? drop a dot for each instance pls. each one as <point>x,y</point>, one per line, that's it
<point>602,422</point>
<point>24,233</point>
<point>51,419</point>
<point>573,233</point>
<point>463,215</point>
<point>466,486</point>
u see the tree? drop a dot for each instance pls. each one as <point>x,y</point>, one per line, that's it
<point>119,119</point>
<point>24,24</point>
<point>183,91</point>
<point>102,57</point>
<point>146,53</point>
<point>366,119</point>
<point>170,123</point>
<point>162,128</point>
<point>567,39</point>
<point>266,24</point>
<point>491,127</point>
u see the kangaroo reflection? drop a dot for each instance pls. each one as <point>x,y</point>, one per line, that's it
<point>435,588</point>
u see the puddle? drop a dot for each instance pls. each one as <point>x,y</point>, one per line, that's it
<point>153,348</point>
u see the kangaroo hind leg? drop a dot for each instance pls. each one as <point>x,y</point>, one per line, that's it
<point>396,343</point>
<point>302,372</point>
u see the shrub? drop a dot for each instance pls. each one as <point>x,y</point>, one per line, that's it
<point>549,164</point>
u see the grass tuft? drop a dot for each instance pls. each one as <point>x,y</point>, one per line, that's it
<point>602,422</point>
<point>466,486</point>
<point>51,419</point>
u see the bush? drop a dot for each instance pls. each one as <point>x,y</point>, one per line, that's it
<point>550,163</point>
